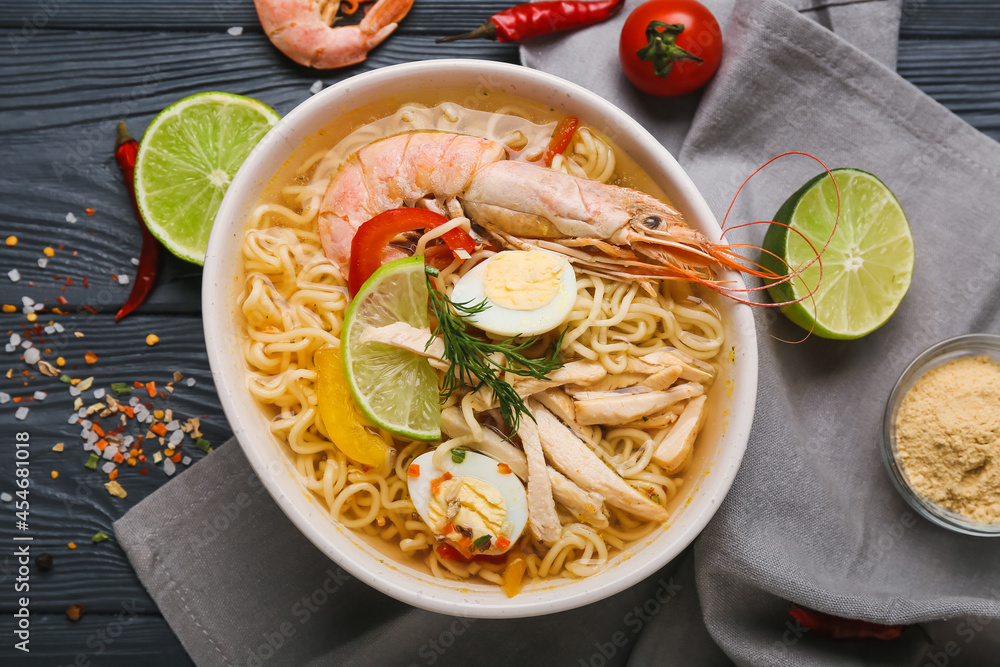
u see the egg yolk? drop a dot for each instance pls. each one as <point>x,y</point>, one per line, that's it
<point>523,280</point>
<point>470,503</point>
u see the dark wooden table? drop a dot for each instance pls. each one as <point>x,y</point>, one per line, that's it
<point>69,70</point>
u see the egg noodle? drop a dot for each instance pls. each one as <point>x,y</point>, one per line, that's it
<point>294,303</point>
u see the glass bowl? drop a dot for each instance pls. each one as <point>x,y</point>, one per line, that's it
<point>948,350</point>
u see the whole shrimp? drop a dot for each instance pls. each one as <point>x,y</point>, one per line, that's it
<point>301,29</point>
<point>605,229</point>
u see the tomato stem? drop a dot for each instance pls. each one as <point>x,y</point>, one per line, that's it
<point>662,48</point>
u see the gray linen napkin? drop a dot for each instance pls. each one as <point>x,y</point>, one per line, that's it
<point>812,517</point>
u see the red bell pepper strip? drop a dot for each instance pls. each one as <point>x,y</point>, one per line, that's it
<point>373,236</point>
<point>126,149</point>
<point>448,552</point>
<point>532,19</point>
<point>843,628</point>
<point>560,139</point>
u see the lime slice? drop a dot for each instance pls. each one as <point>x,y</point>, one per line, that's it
<point>394,388</point>
<point>867,266</point>
<point>187,157</point>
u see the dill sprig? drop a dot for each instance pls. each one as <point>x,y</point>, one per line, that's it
<point>470,357</point>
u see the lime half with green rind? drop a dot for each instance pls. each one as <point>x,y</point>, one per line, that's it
<point>187,158</point>
<point>866,268</point>
<point>396,389</point>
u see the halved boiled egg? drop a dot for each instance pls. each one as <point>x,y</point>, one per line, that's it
<point>527,292</point>
<point>477,504</point>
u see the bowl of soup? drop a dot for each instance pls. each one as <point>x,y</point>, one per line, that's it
<point>569,235</point>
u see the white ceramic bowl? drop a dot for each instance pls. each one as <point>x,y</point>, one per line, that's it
<point>720,448</point>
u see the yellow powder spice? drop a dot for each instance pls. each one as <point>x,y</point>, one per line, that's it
<point>948,437</point>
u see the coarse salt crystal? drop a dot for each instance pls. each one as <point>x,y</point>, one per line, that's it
<point>134,401</point>
<point>27,301</point>
<point>81,412</point>
<point>74,390</point>
<point>148,419</point>
<point>107,467</point>
<point>86,423</point>
<point>110,451</point>
<point>122,279</point>
<point>128,440</point>
<point>93,438</point>
<point>176,437</point>
<point>174,425</point>
<point>88,447</point>
<point>4,397</point>
<point>70,218</point>
<point>10,348</point>
<point>60,328</point>
<point>135,261</point>
<point>190,382</point>
<point>21,413</point>
<point>73,418</point>
<point>43,262</point>
<point>99,393</point>
<point>316,87</point>
<point>236,30</point>
<point>186,460</point>
<point>26,344</point>
<point>49,329</point>
<point>15,339</point>
<point>6,497</point>
<point>40,395</point>
<point>169,467</point>
<point>32,355</point>
<point>14,275</point>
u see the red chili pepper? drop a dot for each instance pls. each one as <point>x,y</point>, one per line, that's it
<point>541,18</point>
<point>126,149</point>
<point>560,138</point>
<point>373,236</point>
<point>843,628</point>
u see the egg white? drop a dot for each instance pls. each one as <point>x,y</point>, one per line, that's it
<point>503,321</point>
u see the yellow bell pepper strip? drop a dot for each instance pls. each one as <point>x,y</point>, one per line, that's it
<point>343,424</point>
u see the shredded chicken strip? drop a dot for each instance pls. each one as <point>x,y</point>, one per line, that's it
<point>574,459</point>
<point>542,515</point>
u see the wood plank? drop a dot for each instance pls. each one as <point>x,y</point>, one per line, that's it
<point>73,507</point>
<point>963,75</point>
<point>427,17</point>
<point>949,19</point>
<point>117,639</point>
<point>56,155</point>
<point>945,19</point>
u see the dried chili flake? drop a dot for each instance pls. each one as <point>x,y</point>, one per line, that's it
<point>151,389</point>
<point>61,300</point>
<point>75,612</point>
<point>88,211</point>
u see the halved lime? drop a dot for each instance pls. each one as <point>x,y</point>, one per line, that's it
<point>867,266</point>
<point>396,389</point>
<point>187,157</point>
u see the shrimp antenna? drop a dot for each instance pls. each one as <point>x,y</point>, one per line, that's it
<point>732,259</point>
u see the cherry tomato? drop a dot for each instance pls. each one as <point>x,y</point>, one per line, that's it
<point>670,47</point>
